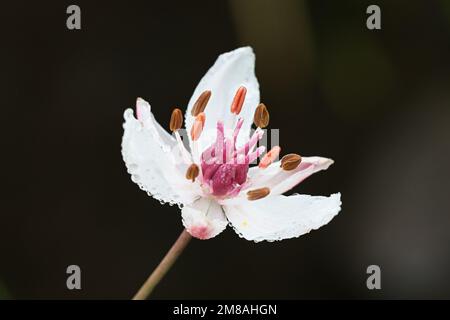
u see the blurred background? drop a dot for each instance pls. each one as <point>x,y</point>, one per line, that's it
<point>377,102</point>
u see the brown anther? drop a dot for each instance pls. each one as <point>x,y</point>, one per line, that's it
<point>176,120</point>
<point>258,194</point>
<point>198,125</point>
<point>238,101</point>
<point>200,104</point>
<point>290,161</point>
<point>192,172</point>
<point>261,117</point>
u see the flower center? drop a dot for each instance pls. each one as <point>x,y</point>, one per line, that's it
<point>224,167</point>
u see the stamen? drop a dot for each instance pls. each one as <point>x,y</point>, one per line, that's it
<point>198,125</point>
<point>238,100</point>
<point>200,104</point>
<point>176,120</point>
<point>290,161</point>
<point>258,194</point>
<point>269,157</point>
<point>185,154</point>
<point>192,172</point>
<point>261,117</point>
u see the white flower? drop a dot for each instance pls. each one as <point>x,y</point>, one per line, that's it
<point>221,188</point>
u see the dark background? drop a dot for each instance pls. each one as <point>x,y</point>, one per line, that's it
<point>377,102</point>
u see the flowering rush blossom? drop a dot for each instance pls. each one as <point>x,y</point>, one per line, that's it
<point>213,183</point>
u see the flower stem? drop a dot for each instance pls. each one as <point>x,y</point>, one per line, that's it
<point>164,266</point>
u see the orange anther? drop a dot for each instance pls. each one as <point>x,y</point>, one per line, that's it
<point>238,100</point>
<point>269,157</point>
<point>198,125</point>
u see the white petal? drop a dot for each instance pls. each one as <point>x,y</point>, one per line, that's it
<point>153,158</point>
<point>279,180</point>
<point>281,217</point>
<point>204,219</point>
<point>230,71</point>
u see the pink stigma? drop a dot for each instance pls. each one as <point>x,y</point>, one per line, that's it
<point>224,167</point>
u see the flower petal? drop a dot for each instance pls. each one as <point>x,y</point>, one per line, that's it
<point>204,219</point>
<point>281,217</point>
<point>280,181</point>
<point>230,71</point>
<point>153,158</point>
<point>277,179</point>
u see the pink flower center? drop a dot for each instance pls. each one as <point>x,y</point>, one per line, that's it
<point>224,167</point>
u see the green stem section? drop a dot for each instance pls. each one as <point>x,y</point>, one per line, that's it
<point>164,266</point>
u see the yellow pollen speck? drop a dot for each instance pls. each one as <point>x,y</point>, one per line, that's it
<point>244,223</point>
